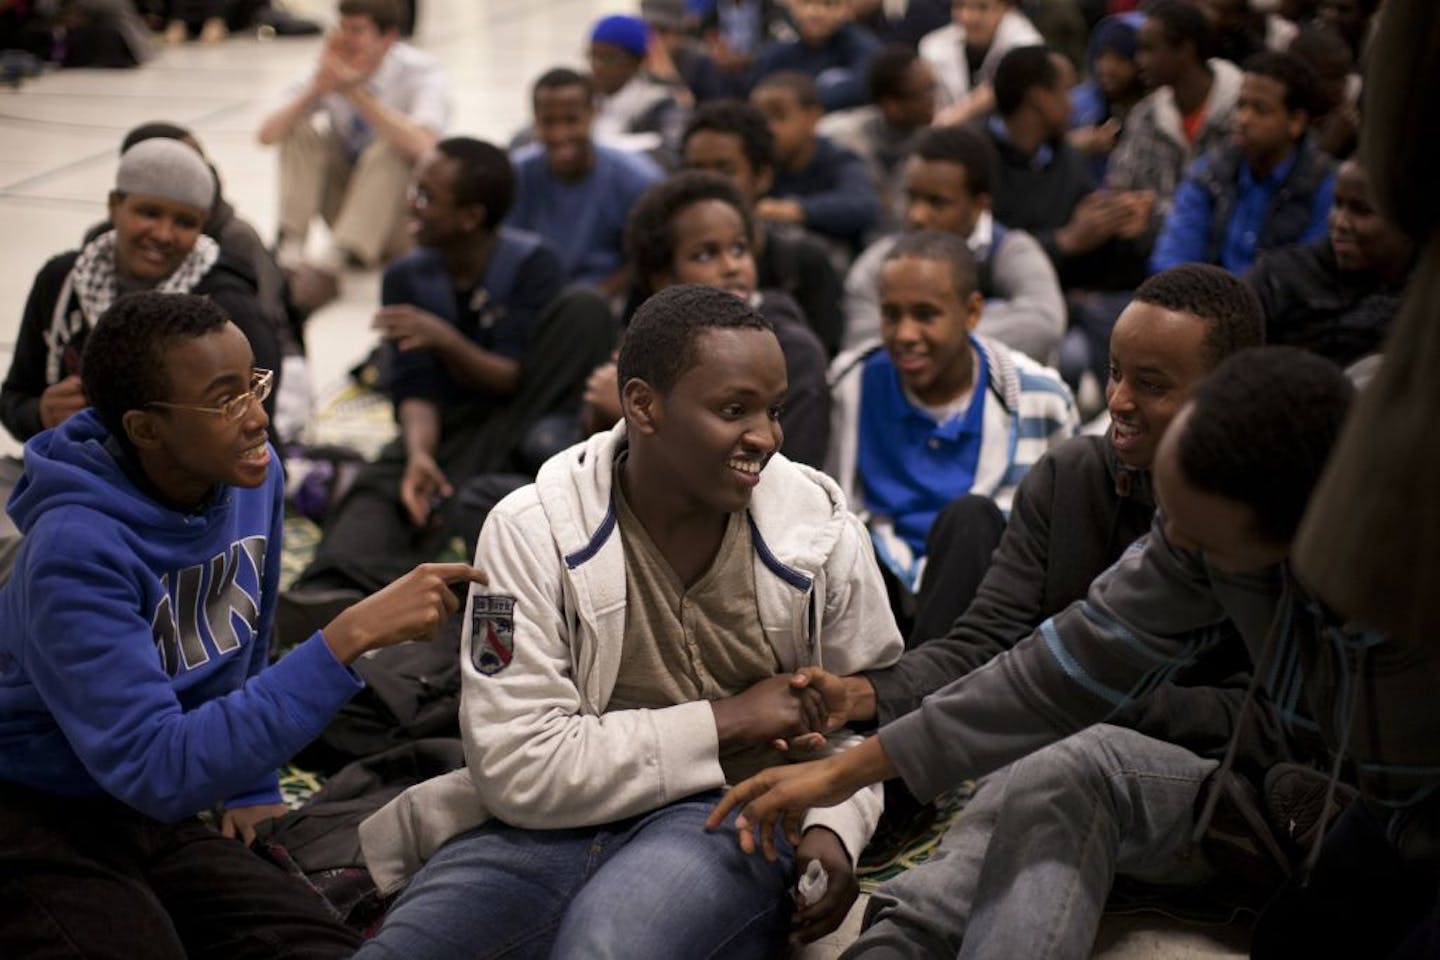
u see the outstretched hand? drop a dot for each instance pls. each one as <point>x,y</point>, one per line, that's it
<point>411,608</point>
<point>780,795</point>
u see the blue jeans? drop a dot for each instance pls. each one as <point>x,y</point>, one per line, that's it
<point>657,885</point>
<point>1026,869</point>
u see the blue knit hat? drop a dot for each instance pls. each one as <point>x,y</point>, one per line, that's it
<point>628,33</point>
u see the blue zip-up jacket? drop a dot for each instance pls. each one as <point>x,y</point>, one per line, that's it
<point>134,638</point>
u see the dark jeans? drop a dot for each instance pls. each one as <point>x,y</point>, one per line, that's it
<point>1363,900</point>
<point>369,540</point>
<point>93,878</point>
<point>958,550</point>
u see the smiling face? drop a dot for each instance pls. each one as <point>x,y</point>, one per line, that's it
<point>153,235</point>
<point>361,44</point>
<point>1361,238</point>
<point>435,217</point>
<point>711,249</point>
<point>187,452</point>
<point>1156,358</point>
<point>563,116</point>
<point>719,425</point>
<point>925,325</point>
<point>1196,521</point>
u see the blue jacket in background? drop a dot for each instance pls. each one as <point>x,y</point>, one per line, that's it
<point>134,638</point>
<point>1223,215</point>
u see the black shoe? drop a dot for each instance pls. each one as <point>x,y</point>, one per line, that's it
<point>1294,796</point>
<point>1239,841</point>
<point>301,612</point>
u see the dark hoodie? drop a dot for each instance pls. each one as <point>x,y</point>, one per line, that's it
<point>228,284</point>
<point>1074,514</point>
<point>134,637</point>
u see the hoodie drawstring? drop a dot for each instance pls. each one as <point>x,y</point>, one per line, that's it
<point>1279,626</point>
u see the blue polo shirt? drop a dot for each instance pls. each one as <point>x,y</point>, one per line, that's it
<point>910,466</point>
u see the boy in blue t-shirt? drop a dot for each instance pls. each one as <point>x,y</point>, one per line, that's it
<point>134,637</point>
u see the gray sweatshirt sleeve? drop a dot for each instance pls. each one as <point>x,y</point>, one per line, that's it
<point>1027,311</point>
<point>1151,613</point>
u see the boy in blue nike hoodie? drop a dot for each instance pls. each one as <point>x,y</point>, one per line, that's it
<point>134,635</point>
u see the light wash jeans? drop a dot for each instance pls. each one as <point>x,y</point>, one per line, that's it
<point>1025,870</point>
<point>653,886</point>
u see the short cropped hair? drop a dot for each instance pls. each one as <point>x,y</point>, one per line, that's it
<point>659,344</point>
<point>650,238</point>
<point>1288,69</point>
<point>740,119</point>
<point>1228,305</point>
<point>939,245</point>
<point>485,176</point>
<point>800,84</point>
<point>964,146</point>
<point>886,74</point>
<point>1020,71</point>
<point>1184,22</point>
<point>560,78</point>
<point>123,365</point>
<point>1260,431</point>
<point>155,130</point>
<point>387,15</point>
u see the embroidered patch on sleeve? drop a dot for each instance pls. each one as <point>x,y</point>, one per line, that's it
<point>492,633</point>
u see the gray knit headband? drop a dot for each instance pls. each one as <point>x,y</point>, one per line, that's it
<point>167,169</point>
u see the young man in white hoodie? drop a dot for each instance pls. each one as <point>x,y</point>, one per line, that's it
<point>651,596</point>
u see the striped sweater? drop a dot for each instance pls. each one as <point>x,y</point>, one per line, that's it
<point>1029,410</point>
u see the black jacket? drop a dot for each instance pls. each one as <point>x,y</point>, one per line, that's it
<point>806,418</point>
<point>1311,303</point>
<point>228,284</point>
<point>795,263</point>
<point>1073,516</point>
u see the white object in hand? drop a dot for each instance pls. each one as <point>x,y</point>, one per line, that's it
<point>814,883</point>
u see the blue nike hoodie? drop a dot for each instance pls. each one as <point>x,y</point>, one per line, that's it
<point>134,638</point>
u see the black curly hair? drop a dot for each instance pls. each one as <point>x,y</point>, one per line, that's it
<point>1260,430</point>
<point>650,230</point>
<point>123,364</point>
<point>1229,307</point>
<point>659,344</point>
<point>939,245</point>
<point>964,146</point>
<point>485,176</point>
<point>740,119</point>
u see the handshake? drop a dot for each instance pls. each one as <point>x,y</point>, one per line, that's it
<point>792,712</point>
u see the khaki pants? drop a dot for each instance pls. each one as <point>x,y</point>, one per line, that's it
<point>363,203</point>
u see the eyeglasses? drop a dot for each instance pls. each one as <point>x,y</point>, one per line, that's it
<point>237,406</point>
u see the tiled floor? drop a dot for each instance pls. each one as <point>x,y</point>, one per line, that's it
<point>58,140</point>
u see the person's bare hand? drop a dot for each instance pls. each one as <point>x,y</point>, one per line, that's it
<point>422,480</point>
<point>779,796</point>
<point>240,822</point>
<point>602,397</point>
<point>1141,205</point>
<point>61,401</point>
<point>412,328</point>
<point>768,711</point>
<point>835,703</point>
<point>812,921</point>
<point>1098,217</point>
<point>1096,140</point>
<point>411,608</point>
<point>780,211</point>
